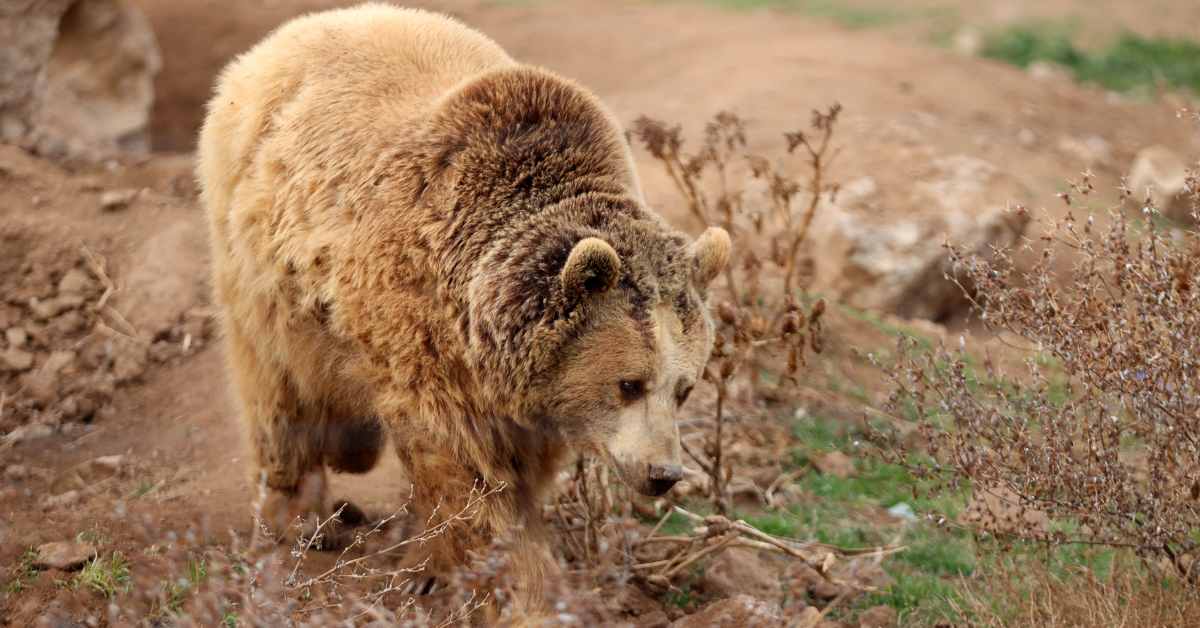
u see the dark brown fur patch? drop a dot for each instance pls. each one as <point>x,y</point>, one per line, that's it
<point>353,446</point>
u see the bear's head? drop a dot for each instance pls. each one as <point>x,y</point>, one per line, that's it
<point>640,346</point>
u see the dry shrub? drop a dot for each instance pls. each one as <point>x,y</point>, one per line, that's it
<point>1037,596</point>
<point>190,580</point>
<point>206,578</point>
<point>1096,438</point>
<point>763,331</point>
<point>764,337</point>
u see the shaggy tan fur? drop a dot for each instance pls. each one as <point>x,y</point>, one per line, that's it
<point>413,234</point>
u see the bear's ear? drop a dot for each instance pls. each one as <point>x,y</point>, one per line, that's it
<point>710,255</point>
<point>591,268</point>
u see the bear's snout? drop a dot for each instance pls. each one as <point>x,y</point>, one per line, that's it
<point>661,477</point>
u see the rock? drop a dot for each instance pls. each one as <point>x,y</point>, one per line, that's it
<point>28,432</point>
<point>1090,151</point>
<point>893,258</point>
<point>114,200</point>
<point>1049,72</point>
<point>740,611</point>
<point>42,385</point>
<point>129,360</point>
<point>64,555</point>
<point>968,41</point>
<point>16,472</point>
<point>49,308</point>
<point>742,571</point>
<point>903,512</point>
<point>878,617</point>
<point>28,29</point>
<point>65,500</point>
<point>1026,138</point>
<point>809,617</point>
<point>805,578</point>
<point>1162,176</point>
<point>75,281</point>
<point>825,590</point>
<point>835,463</point>
<point>68,323</point>
<point>82,407</point>
<point>16,360</point>
<point>863,572</point>
<point>58,361</point>
<point>644,610</point>
<point>16,337</point>
<point>76,76</point>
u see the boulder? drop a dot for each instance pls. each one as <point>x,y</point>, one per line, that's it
<point>76,76</point>
<point>884,249</point>
<point>28,29</point>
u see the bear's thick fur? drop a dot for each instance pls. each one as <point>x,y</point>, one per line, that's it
<point>415,236</point>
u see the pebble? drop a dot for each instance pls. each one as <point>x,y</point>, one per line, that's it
<point>74,282</point>
<point>50,308</point>
<point>65,500</point>
<point>14,359</point>
<point>16,336</point>
<point>16,472</point>
<point>114,200</point>
<point>32,431</point>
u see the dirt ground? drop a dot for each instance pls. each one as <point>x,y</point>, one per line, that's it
<point>149,386</point>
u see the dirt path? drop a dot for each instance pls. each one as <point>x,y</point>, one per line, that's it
<point>905,105</point>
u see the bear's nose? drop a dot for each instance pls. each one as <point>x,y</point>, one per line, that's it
<point>663,477</point>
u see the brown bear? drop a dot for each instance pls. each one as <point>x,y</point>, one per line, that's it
<point>416,237</point>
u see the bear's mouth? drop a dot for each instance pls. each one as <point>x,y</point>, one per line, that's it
<point>637,476</point>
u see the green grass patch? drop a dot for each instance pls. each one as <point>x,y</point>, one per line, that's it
<point>106,576</point>
<point>176,592</point>
<point>845,512</point>
<point>22,572</point>
<point>675,525</point>
<point>1130,63</point>
<point>818,434</point>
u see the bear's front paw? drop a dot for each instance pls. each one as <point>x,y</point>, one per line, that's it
<point>322,529</point>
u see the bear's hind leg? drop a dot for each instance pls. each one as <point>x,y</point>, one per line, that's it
<point>286,438</point>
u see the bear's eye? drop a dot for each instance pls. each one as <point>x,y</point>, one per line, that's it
<point>632,389</point>
<point>682,396</point>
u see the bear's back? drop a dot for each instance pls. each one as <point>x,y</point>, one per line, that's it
<point>322,90</point>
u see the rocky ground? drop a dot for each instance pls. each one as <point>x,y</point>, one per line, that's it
<point>114,416</point>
